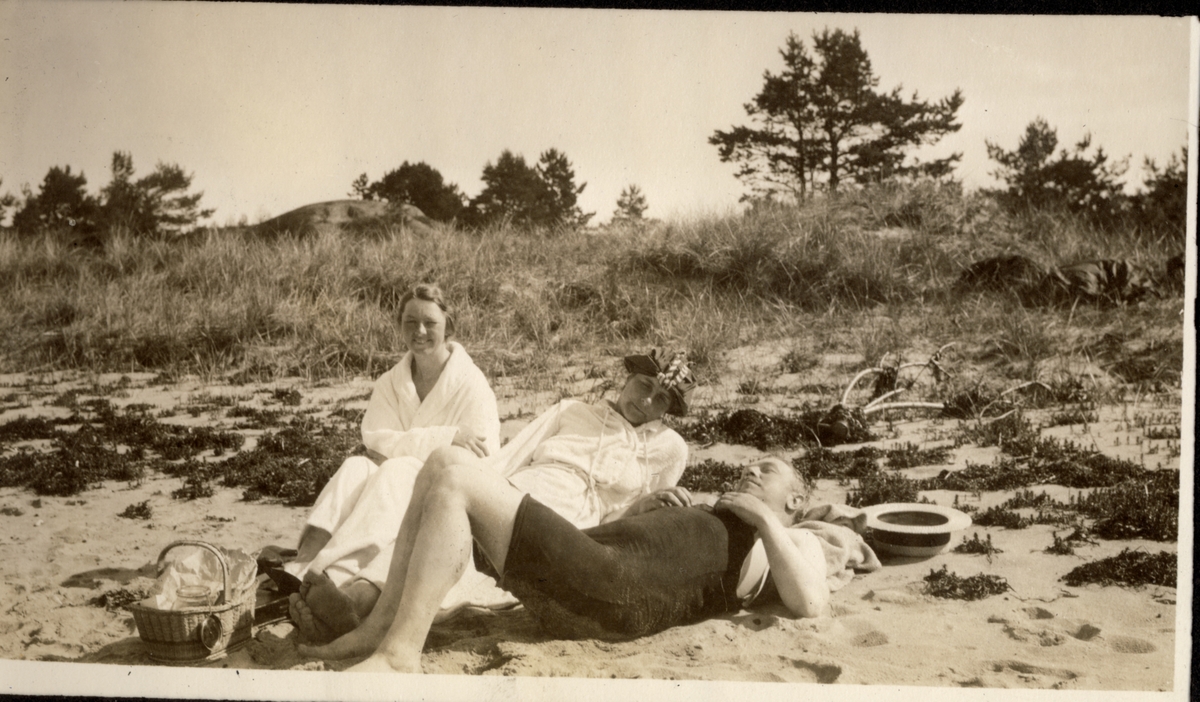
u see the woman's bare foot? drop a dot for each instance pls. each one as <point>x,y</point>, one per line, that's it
<point>311,629</point>
<point>321,611</point>
<point>380,663</point>
<point>360,642</point>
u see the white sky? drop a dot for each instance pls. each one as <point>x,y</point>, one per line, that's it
<point>276,106</point>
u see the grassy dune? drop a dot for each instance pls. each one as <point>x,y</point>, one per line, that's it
<point>864,274</point>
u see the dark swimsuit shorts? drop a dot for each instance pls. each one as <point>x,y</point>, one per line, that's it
<point>627,578</point>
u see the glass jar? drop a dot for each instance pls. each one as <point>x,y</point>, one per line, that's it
<point>191,596</point>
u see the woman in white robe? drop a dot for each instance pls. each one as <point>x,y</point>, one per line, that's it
<point>434,397</point>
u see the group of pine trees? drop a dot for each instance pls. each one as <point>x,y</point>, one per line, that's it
<point>823,122</point>
<point>155,204</point>
<point>820,124</point>
<point>544,194</point>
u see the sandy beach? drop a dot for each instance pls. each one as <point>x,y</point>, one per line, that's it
<point>64,558</point>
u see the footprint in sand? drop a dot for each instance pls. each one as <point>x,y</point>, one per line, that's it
<point>824,673</point>
<point>1128,644</point>
<point>869,639</point>
<point>1039,613</point>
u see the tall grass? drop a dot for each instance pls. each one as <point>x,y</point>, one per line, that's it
<point>877,260</point>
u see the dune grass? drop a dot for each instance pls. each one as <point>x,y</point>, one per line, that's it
<point>867,273</point>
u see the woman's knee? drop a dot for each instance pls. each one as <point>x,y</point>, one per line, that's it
<point>446,456</point>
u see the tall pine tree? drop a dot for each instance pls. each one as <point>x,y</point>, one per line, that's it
<point>822,121</point>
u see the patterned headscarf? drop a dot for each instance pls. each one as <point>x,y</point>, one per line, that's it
<point>671,370</point>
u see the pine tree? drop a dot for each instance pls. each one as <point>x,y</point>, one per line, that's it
<point>822,121</point>
<point>1081,183</point>
<point>631,205</point>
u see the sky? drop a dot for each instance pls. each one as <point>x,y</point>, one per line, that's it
<point>271,107</point>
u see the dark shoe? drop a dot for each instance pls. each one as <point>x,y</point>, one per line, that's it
<point>273,557</point>
<point>284,581</point>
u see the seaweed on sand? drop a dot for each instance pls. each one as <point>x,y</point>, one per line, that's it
<point>878,487</point>
<point>1000,516</point>
<point>977,546</point>
<point>76,462</point>
<point>1128,568</point>
<point>710,476</point>
<point>134,427</point>
<point>119,599</point>
<point>820,462</point>
<point>290,396</point>
<point>195,485</point>
<point>1032,460</point>
<point>1065,545</point>
<point>1146,508</point>
<point>292,464</point>
<point>139,510</point>
<point>951,586</point>
<point>255,418</point>
<point>28,429</point>
<point>909,455</point>
<point>750,427</point>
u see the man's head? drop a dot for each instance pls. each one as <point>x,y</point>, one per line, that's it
<point>777,483</point>
<point>671,373</point>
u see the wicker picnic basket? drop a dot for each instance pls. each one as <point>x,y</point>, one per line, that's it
<point>196,633</point>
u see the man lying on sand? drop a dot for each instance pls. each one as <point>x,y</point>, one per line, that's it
<point>587,463</point>
<point>631,577</point>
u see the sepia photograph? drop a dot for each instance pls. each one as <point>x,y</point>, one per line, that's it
<point>412,352</point>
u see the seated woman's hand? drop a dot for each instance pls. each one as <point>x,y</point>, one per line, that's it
<point>471,442</point>
<point>674,496</point>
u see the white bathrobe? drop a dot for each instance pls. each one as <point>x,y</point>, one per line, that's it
<point>585,462</point>
<point>363,504</point>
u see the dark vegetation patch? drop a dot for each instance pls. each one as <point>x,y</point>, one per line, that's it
<point>951,586</point>
<point>1128,568</point>
<point>878,488</point>
<point>292,464</point>
<point>290,396</point>
<point>195,486</point>
<point>11,511</point>
<point>1169,433</point>
<point>255,418</point>
<point>1144,508</point>
<point>27,429</point>
<point>977,546</point>
<point>999,516</point>
<point>749,427</point>
<point>139,510</point>
<point>1065,545</point>
<point>75,462</point>
<point>710,476</point>
<point>119,599</point>
<point>1070,417</point>
<point>1032,460</point>
<point>909,455</point>
<point>820,462</point>
<point>346,414</point>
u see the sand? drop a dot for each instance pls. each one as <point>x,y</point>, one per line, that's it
<point>57,554</point>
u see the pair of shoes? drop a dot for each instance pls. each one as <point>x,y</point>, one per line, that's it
<point>273,557</point>
<point>285,582</point>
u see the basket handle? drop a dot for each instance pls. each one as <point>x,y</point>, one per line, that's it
<point>216,552</point>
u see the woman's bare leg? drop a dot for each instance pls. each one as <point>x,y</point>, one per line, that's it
<point>451,503</point>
